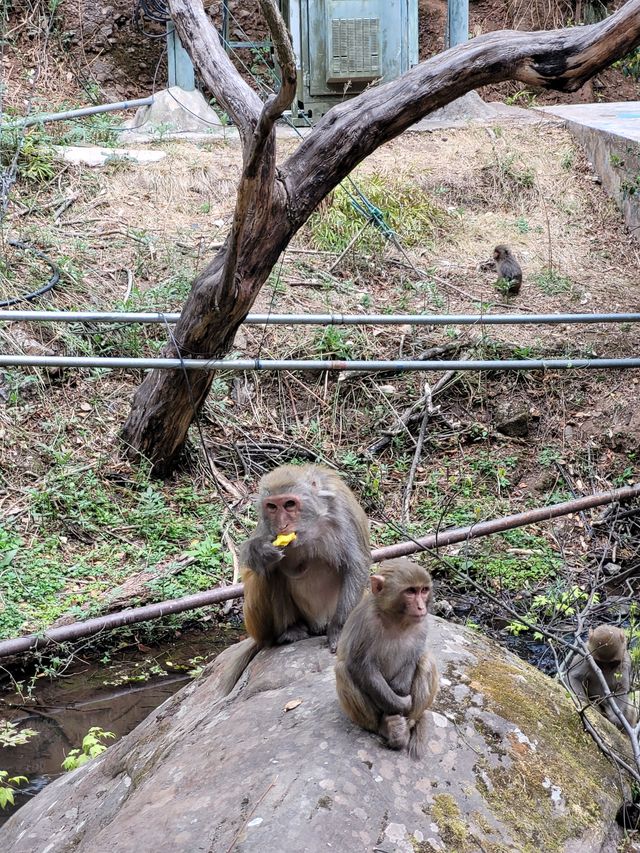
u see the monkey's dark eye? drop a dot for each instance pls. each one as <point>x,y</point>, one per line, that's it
<point>271,507</point>
<point>411,590</point>
<point>290,505</point>
<point>426,590</point>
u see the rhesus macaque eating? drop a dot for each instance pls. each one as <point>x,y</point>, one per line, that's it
<point>307,563</point>
<point>385,676</point>
<point>608,648</point>
<point>509,270</point>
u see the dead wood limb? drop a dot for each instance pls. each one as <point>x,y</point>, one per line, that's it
<point>561,59</point>
<point>351,243</point>
<point>259,151</point>
<point>200,39</point>
<point>222,481</point>
<point>570,484</point>
<point>411,414</point>
<point>286,60</point>
<point>427,355</point>
<point>428,411</point>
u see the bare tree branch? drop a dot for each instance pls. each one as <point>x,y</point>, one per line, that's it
<point>259,153</point>
<point>286,60</point>
<point>200,39</point>
<point>561,59</point>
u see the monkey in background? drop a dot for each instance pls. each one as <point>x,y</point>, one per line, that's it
<point>607,645</point>
<point>385,677</point>
<point>509,270</point>
<point>307,563</point>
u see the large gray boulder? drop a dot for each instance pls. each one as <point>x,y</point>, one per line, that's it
<point>257,756</point>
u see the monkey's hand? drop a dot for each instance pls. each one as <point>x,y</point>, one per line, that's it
<point>260,555</point>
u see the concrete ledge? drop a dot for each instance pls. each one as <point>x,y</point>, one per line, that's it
<point>610,136</point>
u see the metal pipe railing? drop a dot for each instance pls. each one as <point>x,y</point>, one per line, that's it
<point>76,630</point>
<point>328,319</point>
<point>121,363</point>
<point>78,113</point>
<point>507,522</point>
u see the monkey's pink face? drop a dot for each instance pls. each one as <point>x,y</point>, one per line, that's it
<point>416,601</point>
<point>282,512</point>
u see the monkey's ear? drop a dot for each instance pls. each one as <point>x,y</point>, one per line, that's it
<point>377,584</point>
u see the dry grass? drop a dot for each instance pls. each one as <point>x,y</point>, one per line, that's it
<point>135,236</point>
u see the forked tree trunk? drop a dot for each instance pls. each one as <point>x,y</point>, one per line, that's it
<point>165,404</point>
<point>273,204</point>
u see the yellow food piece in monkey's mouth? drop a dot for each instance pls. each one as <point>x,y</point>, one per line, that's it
<point>283,539</point>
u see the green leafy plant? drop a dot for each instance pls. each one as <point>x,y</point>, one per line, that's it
<point>514,172</point>
<point>567,159</point>
<point>523,97</point>
<point>35,153</point>
<point>8,785</point>
<point>92,746</point>
<point>547,456</point>
<point>552,283</point>
<point>630,64</point>
<point>404,208</point>
<point>333,342</point>
<point>560,602</point>
<point>11,735</point>
<point>503,285</point>
<point>630,187</point>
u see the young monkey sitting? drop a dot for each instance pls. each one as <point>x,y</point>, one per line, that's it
<point>607,644</point>
<point>385,677</point>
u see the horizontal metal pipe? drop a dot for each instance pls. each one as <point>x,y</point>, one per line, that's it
<point>79,113</point>
<point>507,522</point>
<point>329,319</point>
<point>77,630</point>
<point>118,363</point>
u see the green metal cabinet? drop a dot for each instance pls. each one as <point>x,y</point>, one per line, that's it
<point>342,46</point>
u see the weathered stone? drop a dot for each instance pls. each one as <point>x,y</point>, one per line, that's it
<point>174,111</point>
<point>443,608</point>
<point>511,417</point>
<point>92,155</point>
<point>223,766</point>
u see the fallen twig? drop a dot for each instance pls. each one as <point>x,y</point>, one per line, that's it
<point>410,415</point>
<point>428,410</point>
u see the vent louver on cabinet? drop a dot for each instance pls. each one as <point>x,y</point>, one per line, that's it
<point>354,51</point>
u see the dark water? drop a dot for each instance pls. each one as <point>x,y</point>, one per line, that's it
<point>115,695</point>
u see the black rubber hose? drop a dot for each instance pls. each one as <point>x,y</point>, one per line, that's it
<point>51,283</point>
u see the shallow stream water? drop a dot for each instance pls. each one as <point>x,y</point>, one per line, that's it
<point>115,694</point>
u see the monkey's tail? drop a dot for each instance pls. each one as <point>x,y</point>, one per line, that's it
<point>418,738</point>
<point>228,667</point>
